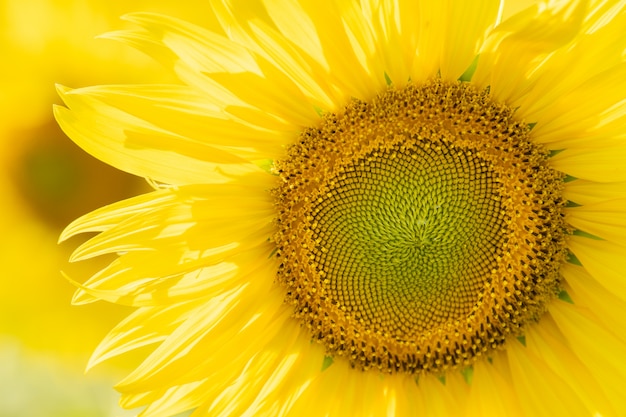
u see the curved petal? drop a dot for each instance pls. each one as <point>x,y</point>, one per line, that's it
<point>463,33</point>
<point>188,113</point>
<point>516,48</point>
<point>144,327</point>
<point>109,216</point>
<point>603,219</point>
<point>601,352</point>
<point>587,192</point>
<point>599,163</point>
<point>603,260</point>
<point>231,328</point>
<point>490,394</point>
<point>217,65</point>
<point>548,343</point>
<point>187,221</point>
<point>586,292</point>
<point>141,148</point>
<point>540,390</point>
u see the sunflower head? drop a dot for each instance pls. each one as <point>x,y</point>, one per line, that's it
<point>395,201</point>
<point>419,231</point>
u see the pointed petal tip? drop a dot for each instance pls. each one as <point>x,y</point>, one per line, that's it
<point>129,17</point>
<point>82,297</point>
<point>56,110</point>
<point>94,360</point>
<point>141,18</point>
<point>107,35</point>
<point>62,89</point>
<point>65,235</point>
<point>73,282</point>
<point>70,230</point>
<point>84,252</point>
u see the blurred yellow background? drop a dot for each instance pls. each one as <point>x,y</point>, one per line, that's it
<point>45,182</point>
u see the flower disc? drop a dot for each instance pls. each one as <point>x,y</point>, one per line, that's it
<point>419,231</point>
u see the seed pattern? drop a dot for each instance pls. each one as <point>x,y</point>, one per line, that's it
<point>419,231</point>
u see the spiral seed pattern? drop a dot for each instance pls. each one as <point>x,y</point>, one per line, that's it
<point>419,231</point>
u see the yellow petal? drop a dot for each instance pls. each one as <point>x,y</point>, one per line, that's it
<point>516,48</point>
<point>540,390</point>
<point>604,219</point>
<point>545,341</point>
<point>598,163</point>
<point>298,66</point>
<point>604,260</point>
<point>586,192</point>
<point>374,27</point>
<point>144,327</point>
<point>564,79</point>
<point>491,394</point>
<point>597,349</point>
<point>463,32</point>
<point>186,112</point>
<point>177,400</point>
<point>272,92</point>
<point>136,146</point>
<point>444,399</point>
<point>230,328</point>
<point>606,307</point>
<point>202,57</point>
<point>109,216</point>
<point>190,225</point>
<point>317,28</point>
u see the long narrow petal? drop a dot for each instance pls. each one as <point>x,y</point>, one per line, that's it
<point>141,148</point>
<point>604,219</point>
<point>540,389</point>
<point>597,348</point>
<point>586,292</point>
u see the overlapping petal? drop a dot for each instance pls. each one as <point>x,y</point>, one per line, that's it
<point>139,147</point>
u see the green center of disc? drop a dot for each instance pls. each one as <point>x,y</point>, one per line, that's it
<point>408,236</point>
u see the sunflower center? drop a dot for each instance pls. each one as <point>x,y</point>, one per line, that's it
<point>420,230</point>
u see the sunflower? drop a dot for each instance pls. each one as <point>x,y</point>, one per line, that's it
<point>367,208</point>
